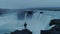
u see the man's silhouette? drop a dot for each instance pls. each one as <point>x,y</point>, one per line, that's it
<point>25,25</point>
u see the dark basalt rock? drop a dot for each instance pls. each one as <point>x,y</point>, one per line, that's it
<point>24,31</point>
<point>55,21</point>
<point>53,30</point>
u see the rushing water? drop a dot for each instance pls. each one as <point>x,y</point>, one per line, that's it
<point>38,22</point>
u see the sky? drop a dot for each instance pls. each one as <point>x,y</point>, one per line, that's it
<point>21,4</point>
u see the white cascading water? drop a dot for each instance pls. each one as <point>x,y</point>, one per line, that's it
<point>38,22</point>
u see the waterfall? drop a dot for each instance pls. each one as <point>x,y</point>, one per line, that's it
<point>36,24</point>
<point>42,23</point>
